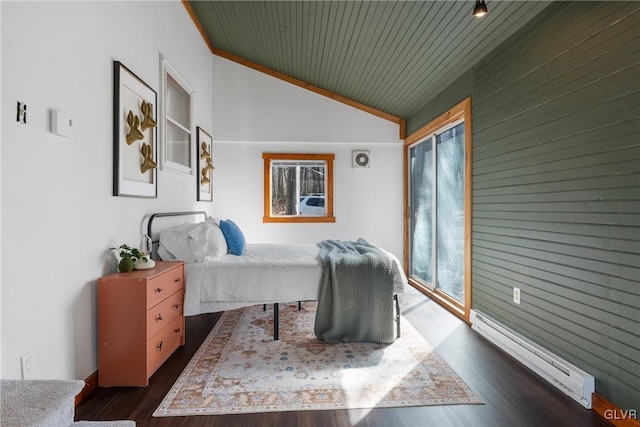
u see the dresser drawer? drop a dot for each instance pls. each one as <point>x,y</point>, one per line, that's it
<point>162,344</point>
<point>164,285</point>
<point>162,314</point>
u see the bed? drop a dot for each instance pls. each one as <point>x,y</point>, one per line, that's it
<point>219,280</point>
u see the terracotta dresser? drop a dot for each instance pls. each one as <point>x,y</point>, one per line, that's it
<point>140,322</point>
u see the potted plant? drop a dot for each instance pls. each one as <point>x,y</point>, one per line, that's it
<point>129,257</point>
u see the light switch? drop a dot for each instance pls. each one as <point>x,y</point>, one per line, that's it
<point>60,123</point>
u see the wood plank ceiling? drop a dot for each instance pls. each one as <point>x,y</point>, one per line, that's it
<point>393,56</point>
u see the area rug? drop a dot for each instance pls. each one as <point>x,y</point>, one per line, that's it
<point>239,368</point>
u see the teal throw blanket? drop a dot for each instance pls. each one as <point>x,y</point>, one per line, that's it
<point>355,301</point>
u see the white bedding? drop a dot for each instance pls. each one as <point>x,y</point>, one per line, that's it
<point>265,273</point>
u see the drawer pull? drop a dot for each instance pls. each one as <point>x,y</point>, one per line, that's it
<point>176,330</point>
<point>177,279</point>
<point>158,290</point>
<point>176,306</point>
<point>159,347</point>
<point>159,318</point>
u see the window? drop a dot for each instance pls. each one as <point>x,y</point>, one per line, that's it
<point>177,120</point>
<point>298,187</point>
<point>439,209</point>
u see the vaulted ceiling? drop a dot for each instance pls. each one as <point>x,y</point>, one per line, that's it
<point>391,56</point>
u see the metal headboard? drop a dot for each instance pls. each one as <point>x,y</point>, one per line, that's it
<point>150,223</point>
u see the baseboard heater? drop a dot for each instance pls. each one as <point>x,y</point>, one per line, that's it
<point>569,379</point>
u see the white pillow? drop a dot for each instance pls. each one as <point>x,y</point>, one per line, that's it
<point>214,221</point>
<point>174,243</point>
<point>193,242</point>
<point>164,254</point>
<point>219,243</point>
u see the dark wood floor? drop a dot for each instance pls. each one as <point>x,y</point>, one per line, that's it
<point>513,395</point>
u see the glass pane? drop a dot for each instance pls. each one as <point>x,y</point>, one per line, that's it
<point>421,201</point>
<point>178,145</point>
<point>177,103</point>
<point>312,191</point>
<point>284,190</point>
<point>450,212</point>
<point>297,188</point>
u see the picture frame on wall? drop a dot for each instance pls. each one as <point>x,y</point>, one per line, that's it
<point>135,147</point>
<point>204,166</point>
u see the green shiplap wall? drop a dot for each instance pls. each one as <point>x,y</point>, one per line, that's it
<point>556,186</point>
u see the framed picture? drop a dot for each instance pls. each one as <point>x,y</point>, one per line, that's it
<point>204,179</point>
<point>134,135</point>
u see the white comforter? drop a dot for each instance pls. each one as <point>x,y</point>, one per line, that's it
<point>265,273</point>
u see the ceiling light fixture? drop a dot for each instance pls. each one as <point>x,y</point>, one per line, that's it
<point>480,9</point>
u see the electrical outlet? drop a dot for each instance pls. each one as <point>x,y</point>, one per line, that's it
<point>26,364</point>
<point>516,295</point>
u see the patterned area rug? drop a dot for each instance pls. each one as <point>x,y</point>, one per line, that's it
<point>240,369</point>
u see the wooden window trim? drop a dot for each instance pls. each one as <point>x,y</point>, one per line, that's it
<point>267,158</point>
<point>459,111</point>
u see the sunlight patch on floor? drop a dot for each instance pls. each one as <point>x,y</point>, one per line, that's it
<point>434,323</point>
<point>354,383</point>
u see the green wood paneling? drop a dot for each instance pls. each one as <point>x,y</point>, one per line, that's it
<point>388,55</point>
<point>556,187</point>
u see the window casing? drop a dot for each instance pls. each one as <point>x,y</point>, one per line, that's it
<point>298,187</point>
<point>177,122</point>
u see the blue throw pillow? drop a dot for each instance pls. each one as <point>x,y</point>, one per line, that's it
<point>233,236</point>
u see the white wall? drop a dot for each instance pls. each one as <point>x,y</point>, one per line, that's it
<point>367,202</point>
<point>58,214</point>
<point>252,106</point>
<point>256,113</point>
